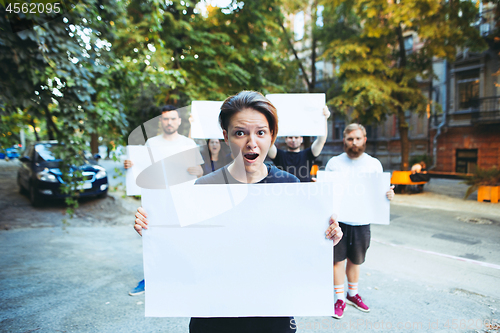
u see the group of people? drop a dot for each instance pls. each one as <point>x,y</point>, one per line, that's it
<point>250,126</point>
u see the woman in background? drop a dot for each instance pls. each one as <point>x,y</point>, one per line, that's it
<point>217,156</point>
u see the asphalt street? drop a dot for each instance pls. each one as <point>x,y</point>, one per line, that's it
<point>435,268</point>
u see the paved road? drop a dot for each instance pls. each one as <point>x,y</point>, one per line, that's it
<point>437,261</point>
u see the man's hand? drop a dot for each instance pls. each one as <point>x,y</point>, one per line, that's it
<point>326,112</point>
<point>319,143</point>
<point>127,164</point>
<point>334,232</point>
<point>140,220</point>
<point>197,171</point>
<point>390,193</point>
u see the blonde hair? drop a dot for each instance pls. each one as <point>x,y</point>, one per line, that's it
<point>353,127</point>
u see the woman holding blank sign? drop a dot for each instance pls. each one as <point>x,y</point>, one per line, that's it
<point>250,125</point>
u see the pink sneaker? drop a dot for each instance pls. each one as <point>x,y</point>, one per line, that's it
<point>339,309</point>
<point>357,302</point>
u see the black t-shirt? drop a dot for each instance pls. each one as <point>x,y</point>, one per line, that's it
<point>222,176</point>
<point>298,164</point>
<point>210,166</point>
<point>244,324</point>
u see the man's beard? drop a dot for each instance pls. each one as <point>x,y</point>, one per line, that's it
<point>355,152</point>
<point>169,130</point>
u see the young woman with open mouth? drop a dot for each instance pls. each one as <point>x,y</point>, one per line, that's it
<point>250,126</point>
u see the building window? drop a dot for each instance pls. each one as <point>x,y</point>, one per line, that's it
<point>369,131</point>
<point>468,89</point>
<point>466,160</point>
<point>409,44</point>
<point>339,130</point>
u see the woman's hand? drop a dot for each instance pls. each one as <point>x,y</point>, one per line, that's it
<point>140,220</point>
<point>334,232</point>
<point>196,171</point>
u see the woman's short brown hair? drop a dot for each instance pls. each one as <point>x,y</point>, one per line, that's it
<point>247,99</point>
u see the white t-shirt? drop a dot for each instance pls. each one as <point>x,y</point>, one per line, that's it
<point>363,164</point>
<point>162,148</point>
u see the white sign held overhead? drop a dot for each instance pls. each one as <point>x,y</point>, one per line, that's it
<point>205,122</point>
<point>300,114</point>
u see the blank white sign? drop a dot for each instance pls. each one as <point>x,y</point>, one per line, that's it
<point>300,114</point>
<point>140,157</point>
<point>205,122</point>
<point>359,198</point>
<point>264,255</point>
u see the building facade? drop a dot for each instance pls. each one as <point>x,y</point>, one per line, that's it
<point>467,134</point>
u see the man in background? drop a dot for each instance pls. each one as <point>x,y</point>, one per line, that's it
<point>350,252</point>
<point>299,162</point>
<point>170,142</point>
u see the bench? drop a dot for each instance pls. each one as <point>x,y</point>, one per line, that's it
<point>403,178</point>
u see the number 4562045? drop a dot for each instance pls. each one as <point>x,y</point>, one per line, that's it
<point>33,8</point>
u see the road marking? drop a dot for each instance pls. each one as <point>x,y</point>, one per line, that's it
<point>480,263</point>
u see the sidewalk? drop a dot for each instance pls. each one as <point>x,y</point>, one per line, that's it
<point>447,194</point>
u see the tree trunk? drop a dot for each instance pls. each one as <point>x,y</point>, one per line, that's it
<point>403,125</point>
<point>314,42</point>
<point>290,44</point>
<point>37,137</point>
<point>50,132</point>
<point>403,138</point>
<point>312,84</point>
<point>429,113</point>
<point>94,143</point>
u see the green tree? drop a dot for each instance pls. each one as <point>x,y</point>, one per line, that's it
<point>228,49</point>
<point>49,73</point>
<point>378,77</point>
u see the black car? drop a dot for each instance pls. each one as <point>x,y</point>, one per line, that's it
<point>40,176</point>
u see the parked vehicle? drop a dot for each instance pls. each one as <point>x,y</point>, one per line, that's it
<point>40,176</point>
<point>10,153</point>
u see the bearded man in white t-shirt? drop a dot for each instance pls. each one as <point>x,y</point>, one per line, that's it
<point>350,252</point>
<point>170,142</point>
<point>166,144</point>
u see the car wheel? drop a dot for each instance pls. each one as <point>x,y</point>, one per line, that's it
<point>34,197</point>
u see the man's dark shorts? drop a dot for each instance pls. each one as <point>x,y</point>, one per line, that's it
<point>354,243</point>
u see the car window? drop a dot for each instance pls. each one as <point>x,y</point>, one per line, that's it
<point>46,152</point>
